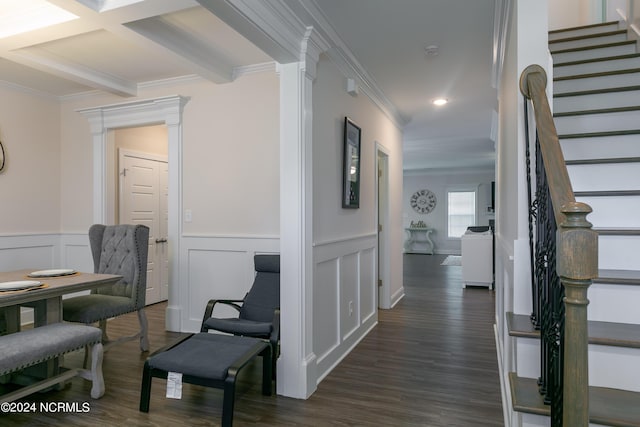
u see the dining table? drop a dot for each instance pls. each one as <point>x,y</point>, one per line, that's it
<point>46,299</point>
<point>44,296</point>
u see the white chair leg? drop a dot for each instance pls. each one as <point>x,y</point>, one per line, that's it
<point>144,330</point>
<point>97,380</point>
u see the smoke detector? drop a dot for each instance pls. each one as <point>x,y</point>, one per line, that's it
<point>431,50</point>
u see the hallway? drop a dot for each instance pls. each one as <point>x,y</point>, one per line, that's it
<point>431,361</point>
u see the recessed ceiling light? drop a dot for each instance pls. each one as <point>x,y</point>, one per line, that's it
<point>27,15</point>
<point>440,101</point>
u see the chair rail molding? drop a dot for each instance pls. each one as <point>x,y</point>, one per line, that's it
<point>167,110</point>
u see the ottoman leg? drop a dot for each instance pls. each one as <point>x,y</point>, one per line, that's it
<point>145,392</point>
<point>267,375</point>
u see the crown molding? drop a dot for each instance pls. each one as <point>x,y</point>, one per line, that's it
<point>29,91</point>
<point>271,26</point>
<point>299,32</point>
<point>340,54</point>
<point>448,171</point>
<point>265,67</point>
<point>500,28</point>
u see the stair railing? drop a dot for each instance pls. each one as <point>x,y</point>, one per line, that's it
<point>576,265</point>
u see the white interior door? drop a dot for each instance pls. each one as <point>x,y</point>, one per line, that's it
<point>384,285</point>
<point>143,200</point>
<point>164,231</point>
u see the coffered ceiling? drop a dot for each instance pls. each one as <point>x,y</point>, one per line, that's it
<point>119,46</point>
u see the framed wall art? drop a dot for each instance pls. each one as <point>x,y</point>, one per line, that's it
<point>351,165</point>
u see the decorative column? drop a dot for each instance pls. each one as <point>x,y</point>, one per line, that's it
<point>296,366</point>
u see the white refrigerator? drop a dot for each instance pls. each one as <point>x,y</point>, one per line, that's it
<point>477,258</point>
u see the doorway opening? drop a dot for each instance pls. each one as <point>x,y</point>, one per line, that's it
<point>383,261</point>
<point>168,111</point>
<point>142,197</point>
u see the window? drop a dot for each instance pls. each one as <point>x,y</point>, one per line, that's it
<point>461,212</point>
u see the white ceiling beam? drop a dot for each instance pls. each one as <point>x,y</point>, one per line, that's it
<point>206,60</point>
<point>271,26</point>
<point>22,48</point>
<point>44,61</point>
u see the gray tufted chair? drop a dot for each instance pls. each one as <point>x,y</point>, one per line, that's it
<point>121,250</point>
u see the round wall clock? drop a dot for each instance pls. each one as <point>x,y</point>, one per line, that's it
<point>423,201</point>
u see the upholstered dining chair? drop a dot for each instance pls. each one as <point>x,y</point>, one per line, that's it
<point>258,312</point>
<point>122,250</point>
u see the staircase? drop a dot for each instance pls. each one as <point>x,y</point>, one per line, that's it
<point>596,103</point>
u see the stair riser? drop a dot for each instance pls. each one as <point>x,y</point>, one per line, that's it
<point>601,147</point>
<point>614,212</point>
<point>618,252</point>
<point>596,67</point>
<point>593,83</point>
<point>553,47</point>
<point>584,31</point>
<point>614,367</point>
<point>605,177</point>
<point>627,120</point>
<point>528,357</point>
<point>593,53</point>
<point>614,303</point>
<point>601,100</point>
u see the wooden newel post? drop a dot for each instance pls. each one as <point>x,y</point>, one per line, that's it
<point>577,265</point>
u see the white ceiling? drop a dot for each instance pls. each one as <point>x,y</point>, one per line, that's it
<point>119,46</point>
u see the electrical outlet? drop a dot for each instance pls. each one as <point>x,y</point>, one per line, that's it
<point>350,308</point>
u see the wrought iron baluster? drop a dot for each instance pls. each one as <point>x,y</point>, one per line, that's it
<point>547,291</point>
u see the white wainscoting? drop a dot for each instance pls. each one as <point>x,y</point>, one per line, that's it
<point>44,251</point>
<point>210,266</point>
<point>217,267</point>
<point>37,251</point>
<point>344,298</point>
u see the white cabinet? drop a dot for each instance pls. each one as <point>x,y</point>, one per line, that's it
<point>477,259</point>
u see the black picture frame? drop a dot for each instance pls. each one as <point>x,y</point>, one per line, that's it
<point>351,165</point>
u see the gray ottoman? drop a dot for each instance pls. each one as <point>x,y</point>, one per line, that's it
<point>210,360</point>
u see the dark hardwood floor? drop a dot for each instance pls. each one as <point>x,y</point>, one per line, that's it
<point>431,361</point>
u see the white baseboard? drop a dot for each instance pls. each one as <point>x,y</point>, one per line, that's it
<point>504,381</point>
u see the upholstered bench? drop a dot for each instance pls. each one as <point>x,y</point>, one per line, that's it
<point>30,347</point>
<point>210,360</point>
